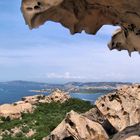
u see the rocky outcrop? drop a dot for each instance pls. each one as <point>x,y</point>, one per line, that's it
<point>90,16</point>
<point>121,108</point>
<point>95,115</point>
<point>33,99</point>
<point>13,111</point>
<point>77,127</point>
<point>129,133</point>
<point>56,96</point>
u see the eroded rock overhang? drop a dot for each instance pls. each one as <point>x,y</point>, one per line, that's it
<point>90,16</point>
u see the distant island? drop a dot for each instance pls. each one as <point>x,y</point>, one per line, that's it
<point>80,87</point>
<point>71,87</point>
<point>13,91</point>
<point>58,115</point>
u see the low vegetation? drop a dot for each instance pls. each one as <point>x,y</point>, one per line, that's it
<point>44,119</point>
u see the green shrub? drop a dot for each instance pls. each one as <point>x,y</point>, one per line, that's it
<point>46,116</point>
<point>5,119</point>
<point>20,134</point>
<point>25,129</point>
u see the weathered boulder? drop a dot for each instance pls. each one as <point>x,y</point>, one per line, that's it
<point>77,127</point>
<point>13,111</point>
<point>95,115</point>
<point>33,99</point>
<point>56,96</point>
<point>121,108</point>
<point>129,133</point>
<point>90,16</point>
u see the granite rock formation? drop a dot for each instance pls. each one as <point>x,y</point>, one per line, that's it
<point>90,16</point>
<point>95,115</point>
<point>55,96</point>
<point>77,127</point>
<point>129,133</point>
<point>13,111</point>
<point>121,108</point>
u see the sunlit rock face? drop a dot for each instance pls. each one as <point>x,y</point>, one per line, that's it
<point>90,16</point>
<point>77,127</point>
<point>121,108</point>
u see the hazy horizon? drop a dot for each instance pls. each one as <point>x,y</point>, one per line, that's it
<point>51,54</point>
<point>65,82</point>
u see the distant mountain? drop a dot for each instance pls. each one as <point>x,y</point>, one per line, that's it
<point>96,84</point>
<point>70,87</point>
<point>93,87</point>
<point>28,83</point>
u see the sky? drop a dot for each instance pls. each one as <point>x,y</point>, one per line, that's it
<point>50,54</point>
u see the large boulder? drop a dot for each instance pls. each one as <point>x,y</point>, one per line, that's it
<point>56,96</point>
<point>90,16</point>
<point>121,108</point>
<point>77,127</point>
<point>129,133</point>
<point>14,111</point>
<point>33,99</point>
<point>95,115</point>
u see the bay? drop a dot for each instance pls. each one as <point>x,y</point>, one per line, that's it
<point>13,93</point>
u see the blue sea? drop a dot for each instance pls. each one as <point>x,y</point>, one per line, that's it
<point>10,93</point>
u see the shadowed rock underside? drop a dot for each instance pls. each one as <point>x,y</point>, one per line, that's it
<point>90,16</point>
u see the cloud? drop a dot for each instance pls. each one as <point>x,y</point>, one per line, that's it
<point>65,75</point>
<point>50,53</point>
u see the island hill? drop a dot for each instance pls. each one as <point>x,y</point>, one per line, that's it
<point>71,87</point>
<point>80,87</point>
<point>115,116</point>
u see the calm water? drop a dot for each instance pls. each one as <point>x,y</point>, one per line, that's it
<point>87,96</point>
<point>10,94</point>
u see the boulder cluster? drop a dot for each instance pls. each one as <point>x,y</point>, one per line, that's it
<point>116,116</point>
<point>14,111</point>
<point>56,96</point>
